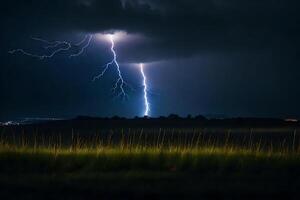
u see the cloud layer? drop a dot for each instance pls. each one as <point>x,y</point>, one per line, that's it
<point>177,28</point>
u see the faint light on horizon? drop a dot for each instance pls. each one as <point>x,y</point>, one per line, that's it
<point>291,120</point>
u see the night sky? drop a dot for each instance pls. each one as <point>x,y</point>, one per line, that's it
<point>224,58</point>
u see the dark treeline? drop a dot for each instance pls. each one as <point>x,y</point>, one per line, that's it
<point>171,121</point>
<point>95,124</point>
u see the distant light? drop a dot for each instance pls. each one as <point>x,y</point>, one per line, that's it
<point>291,120</point>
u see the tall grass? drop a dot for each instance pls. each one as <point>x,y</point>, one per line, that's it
<point>167,164</point>
<point>182,142</point>
<point>137,164</point>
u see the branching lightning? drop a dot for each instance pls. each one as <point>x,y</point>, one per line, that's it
<point>120,83</point>
<point>55,47</point>
<point>88,38</point>
<point>146,103</point>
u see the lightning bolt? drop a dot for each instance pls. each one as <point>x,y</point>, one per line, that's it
<point>120,83</point>
<point>55,47</point>
<point>89,39</point>
<point>146,103</point>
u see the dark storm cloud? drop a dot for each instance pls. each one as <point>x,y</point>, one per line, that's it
<point>177,28</point>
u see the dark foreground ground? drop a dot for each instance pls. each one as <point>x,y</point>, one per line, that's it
<point>150,185</point>
<point>188,161</point>
<point>148,175</point>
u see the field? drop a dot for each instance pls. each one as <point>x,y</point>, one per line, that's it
<point>150,163</point>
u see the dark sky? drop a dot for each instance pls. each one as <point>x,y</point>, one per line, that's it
<point>215,57</point>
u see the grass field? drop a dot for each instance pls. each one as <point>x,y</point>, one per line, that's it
<point>160,167</point>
